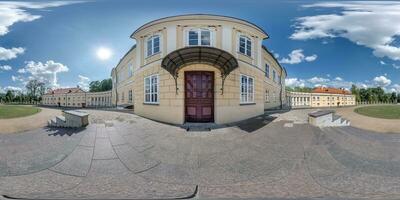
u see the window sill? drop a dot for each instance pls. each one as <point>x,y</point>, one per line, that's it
<point>149,56</point>
<point>245,55</point>
<point>199,45</point>
<point>247,104</point>
<point>151,104</point>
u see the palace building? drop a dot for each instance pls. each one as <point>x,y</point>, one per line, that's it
<point>76,97</point>
<point>199,68</point>
<point>321,97</point>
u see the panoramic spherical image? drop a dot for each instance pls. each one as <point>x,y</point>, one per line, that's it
<point>214,99</point>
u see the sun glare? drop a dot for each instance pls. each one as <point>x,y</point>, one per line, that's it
<point>103,53</point>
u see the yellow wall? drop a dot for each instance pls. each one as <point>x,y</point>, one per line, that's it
<point>225,35</point>
<point>227,106</point>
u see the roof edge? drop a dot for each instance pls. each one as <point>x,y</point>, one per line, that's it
<point>272,55</point>
<point>194,14</point>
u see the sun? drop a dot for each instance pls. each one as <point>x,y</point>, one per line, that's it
<point>103,53</point>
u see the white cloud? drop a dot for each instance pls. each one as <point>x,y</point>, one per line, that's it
<point>317,80</point>
<point>17,78</point>
<point>8,54</point>
<point>83,82</point>
<point>381,81</point>
<point>294,82</point>
<point>337,82</point>
<point>338,79</point>
<point>382,63</point>
<point>320,85</point>
<point>46,72</point>
<point>311,58</point>
<point>5,67</point>
<point>297,56</point>
<point>396,88</point>
<point>12,12</point>
<point>13,88</point>
<point>365,86</point>
<point>372,24</point>
<point>396,66</point>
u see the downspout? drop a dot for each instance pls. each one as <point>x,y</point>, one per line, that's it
<point>116,88</point>
<point>281,91</point>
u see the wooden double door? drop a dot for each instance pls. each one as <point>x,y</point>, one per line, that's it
<point>199,96</point>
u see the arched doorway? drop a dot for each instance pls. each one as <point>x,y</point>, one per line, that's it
<point>199,85</point>
<point>199,96</point>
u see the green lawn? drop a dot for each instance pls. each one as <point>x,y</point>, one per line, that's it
<point>7,112</point>
<point>382,111</point>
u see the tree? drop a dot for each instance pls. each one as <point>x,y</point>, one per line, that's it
<point>393,97</point>
<point>9,96</point>
<point>299,89</point>
<point>356,92</point>
<point>100,86</point>
<point>398,98</point>
<point>35,89</point>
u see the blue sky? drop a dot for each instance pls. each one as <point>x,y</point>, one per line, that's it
<point>319,43</point>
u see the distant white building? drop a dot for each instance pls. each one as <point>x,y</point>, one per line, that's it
<point>76,97</point>
<point>321,97</point>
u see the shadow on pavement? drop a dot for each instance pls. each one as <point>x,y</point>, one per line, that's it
<point>63,131</point>
<point>255,123</point>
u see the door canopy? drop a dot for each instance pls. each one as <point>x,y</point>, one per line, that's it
<point>218,58</point>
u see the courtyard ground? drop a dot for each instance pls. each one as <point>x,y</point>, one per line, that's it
<point>122,155</point>
<point>369,123</point>
<point>31,122</point>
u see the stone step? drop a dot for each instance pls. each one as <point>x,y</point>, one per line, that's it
<point>52,122</point>
<point>62,118</point>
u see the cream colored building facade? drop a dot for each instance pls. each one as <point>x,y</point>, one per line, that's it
<point>199,68</point>
<point>319,99</point>
<point>76,97</point>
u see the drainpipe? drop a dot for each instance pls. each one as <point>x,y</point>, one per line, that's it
<point>281,91</point>
<point>116,91</point>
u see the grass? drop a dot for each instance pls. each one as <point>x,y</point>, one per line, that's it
<point>381,111</point>
<point>7,112</point>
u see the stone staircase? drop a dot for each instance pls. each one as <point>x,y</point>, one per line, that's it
<point>58,121</point>
<point>70,119</point>
<point>327,118</point>
<point>338,120</point>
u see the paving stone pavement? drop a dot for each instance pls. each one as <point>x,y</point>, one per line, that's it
<point>125,156</point>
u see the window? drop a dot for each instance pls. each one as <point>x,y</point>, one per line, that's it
<point>130,69</point>
<point>279,79</point>
<point>246,89</point>
<point>151,89</point>
<point>122,97</point>
<point>199,37</point>
<point>130,96</point>
<point>274,75</point>
<point>266,96</point>
<point>245,45</point>
<point>153,45</point>
<point>267,70</point>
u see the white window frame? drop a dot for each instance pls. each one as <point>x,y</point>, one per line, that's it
<point>151,89</point>
<point>152,52</point>
<point>246,39</point>
<point>130,96</point>
<point>267,70</point>
<point>198,30</point>
<point>130,69</point>
<point>247,93</point>
<point>267,98</point>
